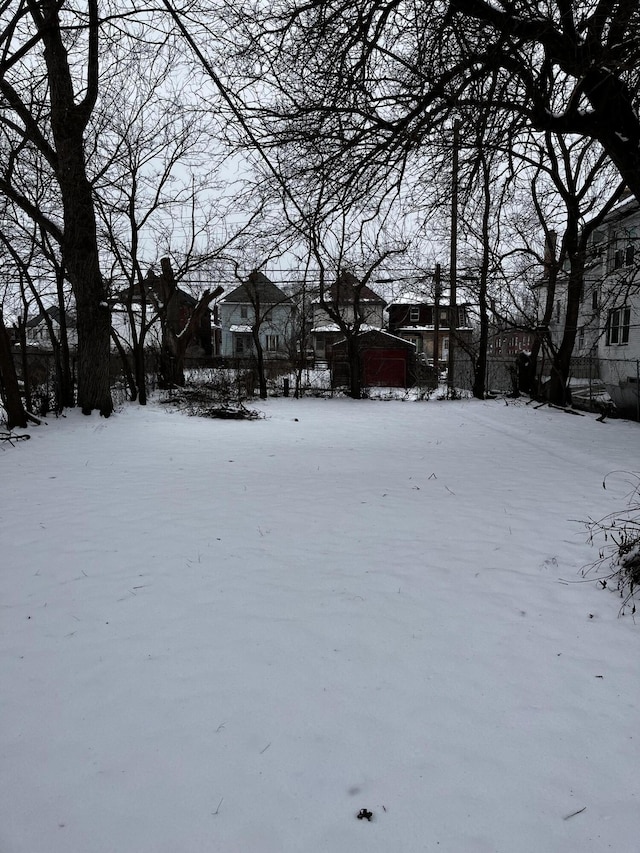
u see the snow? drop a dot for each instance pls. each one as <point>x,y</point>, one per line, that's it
<point>233,636</point>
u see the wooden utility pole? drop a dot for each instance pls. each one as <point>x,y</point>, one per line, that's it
<point>453,261</point>
<point>436,321</point>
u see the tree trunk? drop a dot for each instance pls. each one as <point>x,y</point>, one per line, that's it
<point>353,357</point>
<point>480,362</point>
<point>63,356</point>
<point>558,387</point>
<point>16,415</point>
<point>175,340</point>
<point>79,240</point>
<point>262,379</point>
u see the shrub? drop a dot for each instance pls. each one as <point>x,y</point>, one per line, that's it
<point>618,537</point>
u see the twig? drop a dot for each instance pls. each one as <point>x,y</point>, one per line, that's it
<point>218,809</point>
<point>573,814</point>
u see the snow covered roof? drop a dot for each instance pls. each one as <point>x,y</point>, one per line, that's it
<point>409,298</point>
<point>381,336</point>
<point>334,327</point>
<point>240,329</point>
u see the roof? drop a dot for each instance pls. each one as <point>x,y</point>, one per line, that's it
<point>334,327</point>
<point>381,338</point>
<point>347,288</point>
<point>409,298</point>
<point>257,289</point>
<point>54,313</point>
<point>152,284</point>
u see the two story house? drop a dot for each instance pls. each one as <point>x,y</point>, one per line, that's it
<point>349,302</point>
<point>257,307</point>
<point>427,324</point>
<point>608,324</point>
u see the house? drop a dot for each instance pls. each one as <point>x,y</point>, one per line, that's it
<point>609,321</point>
<point>420,321</point>
<point>353,303</point>
<point>257,306</point>
<point>146,299</point>
<point>608,324</point>
<point>507,342</point>
<point>385,360</point>
<point>37,328</point>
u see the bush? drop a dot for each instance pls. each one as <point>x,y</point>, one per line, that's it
<point>618,535</point>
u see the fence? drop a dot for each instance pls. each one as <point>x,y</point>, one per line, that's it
<point>594,381</point>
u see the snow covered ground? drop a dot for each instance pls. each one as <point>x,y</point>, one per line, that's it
<point>233,636</point>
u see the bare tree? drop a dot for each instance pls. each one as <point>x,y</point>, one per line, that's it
<point>156,193</point>
<point>36,44</point>
<point>364,85</point>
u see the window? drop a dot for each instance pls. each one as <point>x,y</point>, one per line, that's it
<point>581,337</point>
<point>618,325</point>
<point>594,300</point>
<point>558,307</point>
<point>244,312</point>
<point>624,256</point>
<point>273,343</point>
<point>414,314</point>
<point>242,344</point>
<point>629,255</point>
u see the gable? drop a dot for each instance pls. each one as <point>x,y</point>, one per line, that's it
<point>257,289</point>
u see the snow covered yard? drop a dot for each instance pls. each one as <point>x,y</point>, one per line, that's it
<point>233,636</point>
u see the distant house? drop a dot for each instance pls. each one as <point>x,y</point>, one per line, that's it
<point>355,303</point>
<point>148,299</point>
<point>420,321</point>
<point>37,328</point>
<point>509,342</point>
<point>261,307</point>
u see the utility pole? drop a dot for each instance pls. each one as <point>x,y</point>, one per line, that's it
<point>453,262</point>
<point>436,322</point>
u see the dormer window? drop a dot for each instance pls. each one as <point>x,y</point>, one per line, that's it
<point>414,314</point>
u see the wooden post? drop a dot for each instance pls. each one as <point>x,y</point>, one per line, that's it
<point>436,322</point>
<point>453,263</point>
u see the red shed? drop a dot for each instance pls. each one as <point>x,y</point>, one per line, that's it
<point>385,360</point>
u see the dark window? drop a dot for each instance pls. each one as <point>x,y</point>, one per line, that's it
<point>618,325</point>
<point>594,299</point>
<point>414,314</point>
<point>242,344</point>
<point>629,255</point>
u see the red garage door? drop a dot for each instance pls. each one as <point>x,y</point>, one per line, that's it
<point>386,367</point>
